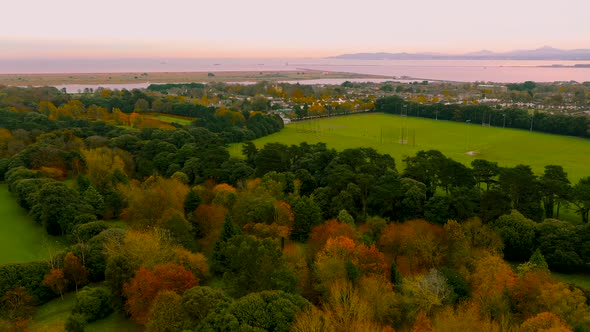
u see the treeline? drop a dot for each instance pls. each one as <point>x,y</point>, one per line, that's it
<point>164,88</point>
<point>132,108</point>
<point>560,124</point>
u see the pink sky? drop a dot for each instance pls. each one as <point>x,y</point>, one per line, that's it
<point>303,28</point>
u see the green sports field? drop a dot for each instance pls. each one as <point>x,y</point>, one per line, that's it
<point>460,141</point>
<point>21,239</point>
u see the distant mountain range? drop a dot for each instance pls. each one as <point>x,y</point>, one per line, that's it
<point>543,53</point>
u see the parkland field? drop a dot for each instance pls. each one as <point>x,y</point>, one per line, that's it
<point>21,240</point>
<point>463,142</point>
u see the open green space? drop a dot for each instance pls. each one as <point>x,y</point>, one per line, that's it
<point>21,239</point>
<point>52,316</point>
<point>171,119</point>
<point>460,141</point>
<point>580,280</point>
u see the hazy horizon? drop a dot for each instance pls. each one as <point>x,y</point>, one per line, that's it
<point>306,29</point>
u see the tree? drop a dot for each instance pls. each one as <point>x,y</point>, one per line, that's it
<point>254,265</point>
<point>17,303</point>
<point>415,195</point>
<point>55,280</point>
<point>536,262</point>
<point>263,311</point>
<point>75,323</point>
<point>426,167</point>
<point>198,302</point>
<point>545,321</point>
<point>142,290</point>
<point>395,277</point>
<point>561,243</point>
<point>118,272</point>
<point>386,195</point>
<point>466,316</point>
<point>422,323</point>
<point>332,228</point>
<point>485,171</point>
<point>490,280</point>
<point>219,259</point>
<point>493,204</point>
<point>345,217</point>
<point>581,197</point>
<point>555,186</point>
<point>141,105</point>
<point>94,303</point>
<point>74,270</point>
<point>427,292</point>
<point>153,202</point>
<point>166,313</point>
<point>191,202</point>
<point>57,206</point>
<point>101,164</point>
<point>518,235</point>
<point>307,214</point>
<point>522,186</point>
<point>272,157</point>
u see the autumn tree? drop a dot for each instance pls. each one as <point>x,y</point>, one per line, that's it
<point>153,201</point>
<point>427,292</point>
<point>142,290</point>
<point>415,245</point>
<point>330,229</point>
<point>74,271</point>
<point>422,323</point>
<point>55,280</point>
<point>489,281</point>
<point>545,321</point>
<point>101,164</point>
<point>466,316</point>
<point>17,304</point>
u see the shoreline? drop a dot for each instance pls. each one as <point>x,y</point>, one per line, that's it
<point>54,79</point>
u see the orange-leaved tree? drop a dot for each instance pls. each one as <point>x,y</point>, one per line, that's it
<point>145,286</point>
<point>55,280</point>
<point>545,321</point>
<point>74,271</point>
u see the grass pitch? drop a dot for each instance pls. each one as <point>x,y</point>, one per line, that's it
<point>404,136</point>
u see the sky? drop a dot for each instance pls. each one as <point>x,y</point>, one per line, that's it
<point>298,28</point>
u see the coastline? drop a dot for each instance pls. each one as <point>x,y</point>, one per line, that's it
<point>55,79</point>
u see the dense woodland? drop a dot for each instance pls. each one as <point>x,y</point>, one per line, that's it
<point>300,238</point>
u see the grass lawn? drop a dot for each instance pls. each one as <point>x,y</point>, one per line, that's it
<point>51,317</point>
<point>581,280</point>
<point>509,147</point>
<point>21,239</point>
<point>116,322</point>
<point>172,118</point>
